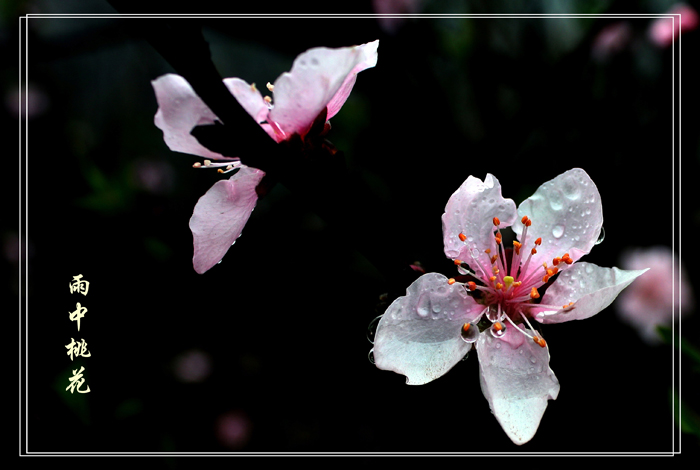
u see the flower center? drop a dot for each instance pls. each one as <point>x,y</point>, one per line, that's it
<point>508,289</point>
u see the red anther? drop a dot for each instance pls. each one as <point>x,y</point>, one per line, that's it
<point>465,327</point>
<point>498,240</point>
<point>556,261</point>
<point>492,278</point>
<point>568,261</point>
<point>540,341</point>
<point>458,262</point>
<point>533,251</point>
<point>524,220</point>
<point>499,286</point>
<point>462,236</point>
<point>496,221</point>
<point>498,326</point>
<point>472,285</point>
<point>534,294</point>
<point>451,281</point>
<point>538,241</point>
<point>487,251</point>
<point>517,245</point>
<point>552,271</point>
<point>545,278</point>
<point>518,283</point>
<point>494,258</point>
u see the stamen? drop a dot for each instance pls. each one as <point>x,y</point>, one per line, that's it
<point>538,241</point>
<point>472,285</point>
<point>462,236</point>
<point>268,100</point>
<point>458,262</point>
<point>526,221</point>
<point>270,86</point>
<point>540,341</point>
<point>508,280</point>
<point>534,294</point>
<point>496,221</point>
<point>197,165</point>
<point>451,281</point>
<point>516,246</point>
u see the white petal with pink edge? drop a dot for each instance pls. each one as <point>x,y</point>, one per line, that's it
<point>220,215</point>
<point>419,336</point>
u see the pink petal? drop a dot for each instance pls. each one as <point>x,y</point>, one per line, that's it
<point>179,111</point>
<point>657,298</point>
<point>566,213</point>
<point>470,210</point>
<point>220,215</point>
<point>319,77</point>
<point>517,382</point>
<point>369,59</point>
<point>249,97</point>
<point>419,336</point>
<point>590,287</point>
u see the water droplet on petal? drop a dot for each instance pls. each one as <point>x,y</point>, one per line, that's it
<point>601,237</point>
<point>372,329</point>
<point>557,231</point>
<point>498,332</point>
<point>555,200</point>
<point>370,355</point>
<point>423,307</point>
<point>471,335</point>
<point>492,314</point>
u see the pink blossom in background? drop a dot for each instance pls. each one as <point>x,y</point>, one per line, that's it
<point>390,24</point>
<point>29,101</point>
<point>192,366</point>
<point>659,297</point>
<point>611,40</point>
<point>425,333</point>
<point>663,31</point>
<point>321,80</point>
<point>233,429</point>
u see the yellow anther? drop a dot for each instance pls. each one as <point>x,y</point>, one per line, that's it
<point>219,170</point>
<point>508,281</point>
<point>267,99</point>
<point>207,162</point>
<point>270,86</point>
<point>451,281</point>
<point>499,286</point>
<point>197,165</point>
<point>534,294</point>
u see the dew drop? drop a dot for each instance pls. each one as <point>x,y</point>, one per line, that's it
<point>570,189</point>
<point>372,329</point>
<point>557,231</point>
<point>601,237</point>
<point>555,200</point>
<point>471,335</point>
<point>492,314</point>
<point>497,333</point>
<point>370,355</point>
<point>423,307</point>
<point>589,268</point>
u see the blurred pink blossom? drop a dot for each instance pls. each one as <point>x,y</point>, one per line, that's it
<point>611,40</point>
<point>658,297</point>
<point>30,101</point>
<point>192,366</point>
<point>388,8</point>
<point>233,429</point>
<point>663,31</point>
<point>425,333</point>
<point>318,85</point>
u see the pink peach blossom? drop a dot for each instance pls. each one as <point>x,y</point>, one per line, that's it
<point>320,79</point>
<point>660,297</point>
<point>664,31</point>
<point>425,333</point>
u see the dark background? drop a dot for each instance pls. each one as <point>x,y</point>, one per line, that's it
<point>283,319</point>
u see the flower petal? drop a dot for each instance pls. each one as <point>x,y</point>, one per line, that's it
<point>470,210</point>
<point>249,97</point>
<point>419,336</point>
<point>566,213</point>
<point>220,215</point>
<point>517,382</point>
<point>179,111</point>
<point>319,77</point>
<point>590,287</point>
